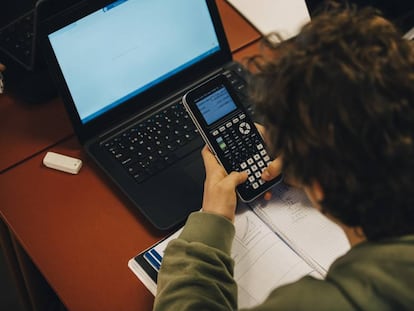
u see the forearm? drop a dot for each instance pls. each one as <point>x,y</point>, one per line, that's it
<point>197,270</point>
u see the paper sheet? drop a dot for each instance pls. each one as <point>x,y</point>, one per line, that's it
<point>263,261</point>
<point>312,235</point>
<point>285,17</point>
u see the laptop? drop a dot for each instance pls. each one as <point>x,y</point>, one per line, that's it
<point>27,77</point>
<point>122,68</point>
<point>19,21</point>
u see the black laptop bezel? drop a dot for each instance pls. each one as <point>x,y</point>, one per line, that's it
<point>140,102</point>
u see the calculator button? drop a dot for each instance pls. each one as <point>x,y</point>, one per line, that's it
<point>243,153</point>
<point>244,128</point>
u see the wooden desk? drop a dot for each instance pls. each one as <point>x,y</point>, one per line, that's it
<point>239,32</point>
<point>78,230</point>
<point>28,129</point>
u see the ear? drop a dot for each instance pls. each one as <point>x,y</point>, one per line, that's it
<point>317,191</point>
<point>315,194</point>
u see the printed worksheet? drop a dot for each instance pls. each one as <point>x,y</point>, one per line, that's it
<point>262,260</point>
<point>305,229</point>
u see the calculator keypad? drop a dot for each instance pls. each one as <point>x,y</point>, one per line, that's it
<point>243,149</point>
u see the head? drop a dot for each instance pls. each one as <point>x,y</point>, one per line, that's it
<point>338,104</point>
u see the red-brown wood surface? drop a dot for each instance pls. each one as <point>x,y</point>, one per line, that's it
<point>79,231</point>
<point>26,129</point>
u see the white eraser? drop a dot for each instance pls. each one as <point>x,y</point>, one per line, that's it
<point>62,163</point>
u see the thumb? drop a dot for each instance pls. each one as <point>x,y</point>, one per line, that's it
<point>236,178</point>
<point>273,170</point>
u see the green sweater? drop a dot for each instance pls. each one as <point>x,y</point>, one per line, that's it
<point>197,274</point>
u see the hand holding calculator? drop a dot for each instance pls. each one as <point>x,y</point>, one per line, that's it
<point>230,134</point>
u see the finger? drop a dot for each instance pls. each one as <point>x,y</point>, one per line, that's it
<point>208,157</point>
<point>267,196</point>
<point>260,128</point>
<point>273,170</point>
<point>206,153</point>
<point>235,178</point>
<point>210,162</point>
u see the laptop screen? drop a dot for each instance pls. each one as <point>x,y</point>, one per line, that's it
<point>119,51</point>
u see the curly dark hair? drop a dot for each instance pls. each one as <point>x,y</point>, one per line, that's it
<point>338,104</point>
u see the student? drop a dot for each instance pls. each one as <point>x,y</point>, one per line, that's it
<point>338,102</point>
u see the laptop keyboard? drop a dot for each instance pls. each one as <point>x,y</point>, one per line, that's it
<point>162,139</point>
<point>17,39</point>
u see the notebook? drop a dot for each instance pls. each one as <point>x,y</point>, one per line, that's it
<point>122,68</point>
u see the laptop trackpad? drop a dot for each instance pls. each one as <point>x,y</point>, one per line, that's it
<point>196,171</point>
<point>178,192</point>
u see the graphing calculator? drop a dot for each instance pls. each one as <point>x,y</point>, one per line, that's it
<point>231,135</point>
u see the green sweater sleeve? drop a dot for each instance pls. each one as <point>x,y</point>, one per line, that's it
<point>197,270</point>
<point>197,274</point>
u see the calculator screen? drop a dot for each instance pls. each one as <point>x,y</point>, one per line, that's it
<point>216,105</point>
